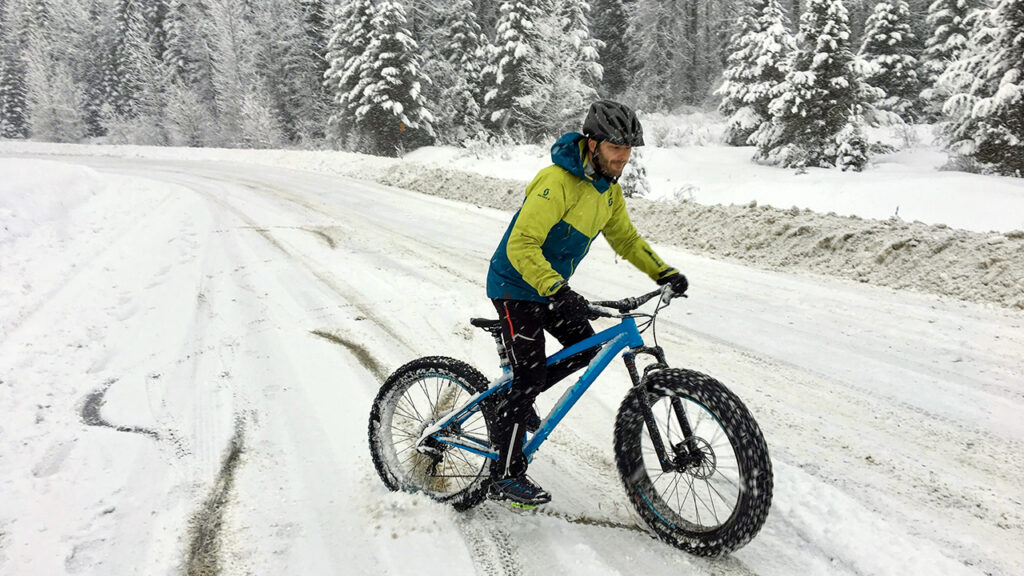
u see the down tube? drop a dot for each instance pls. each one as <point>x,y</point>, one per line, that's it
<point>572,395</point>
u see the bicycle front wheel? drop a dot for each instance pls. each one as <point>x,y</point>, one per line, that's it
<point>414,398</point>
<point>715,496</point>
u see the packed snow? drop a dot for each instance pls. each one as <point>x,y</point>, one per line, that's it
<point>190,341</point>
<point>901,224</point>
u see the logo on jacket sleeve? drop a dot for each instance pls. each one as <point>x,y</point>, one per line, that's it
<point>545,193</point>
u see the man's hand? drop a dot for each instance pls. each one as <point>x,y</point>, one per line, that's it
<point>568,304</point>
<point>676,281</point>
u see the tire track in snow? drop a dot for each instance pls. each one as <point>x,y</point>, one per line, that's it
<point>349,295</point>
<point>92,405</point>
<point>493,550</point>
<point>412,244</point>
<point>206,524</point>
<point>364,356</point>
<point>491,546</point>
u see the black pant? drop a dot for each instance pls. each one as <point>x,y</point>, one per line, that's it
<point>522,328</point>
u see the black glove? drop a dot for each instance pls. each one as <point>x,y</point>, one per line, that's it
<point>568,304</point>
<point>677,281</point>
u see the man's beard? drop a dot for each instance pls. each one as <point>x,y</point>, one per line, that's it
<point>606,167</point>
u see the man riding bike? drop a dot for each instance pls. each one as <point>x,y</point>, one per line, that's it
<point>566,206</point>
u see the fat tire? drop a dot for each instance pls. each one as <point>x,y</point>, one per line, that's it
<point>457,371</point>
<point>743,434</point>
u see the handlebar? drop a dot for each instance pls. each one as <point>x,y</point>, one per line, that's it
<point>627,305</point>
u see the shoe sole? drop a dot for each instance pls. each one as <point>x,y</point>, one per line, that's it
<point>516,503</point>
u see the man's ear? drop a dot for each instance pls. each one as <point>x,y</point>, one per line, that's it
<point>591,145</point>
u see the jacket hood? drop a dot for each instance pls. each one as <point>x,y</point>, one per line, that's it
<point>568,153</point>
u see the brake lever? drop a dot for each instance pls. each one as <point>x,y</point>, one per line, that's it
<point>669,295</point>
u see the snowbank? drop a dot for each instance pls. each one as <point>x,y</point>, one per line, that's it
<point>934,258</point>
<point>33,192</point>
<point>929,258</point>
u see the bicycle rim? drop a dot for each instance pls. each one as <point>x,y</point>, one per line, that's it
<point>439,470</point>
<point>706,495</point>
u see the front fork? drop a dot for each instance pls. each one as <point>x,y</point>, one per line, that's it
<point>684,454</point>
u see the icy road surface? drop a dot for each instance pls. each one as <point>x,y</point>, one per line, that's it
<point>189,350</point>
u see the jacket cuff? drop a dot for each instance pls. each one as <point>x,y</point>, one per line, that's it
<point>666,275</point>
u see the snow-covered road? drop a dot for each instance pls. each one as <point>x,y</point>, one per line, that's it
<point>189,352</point>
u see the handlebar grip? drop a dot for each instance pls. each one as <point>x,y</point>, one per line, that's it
<point>629,304</point>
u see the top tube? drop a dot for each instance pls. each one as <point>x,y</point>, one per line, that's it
<point>626,326</point>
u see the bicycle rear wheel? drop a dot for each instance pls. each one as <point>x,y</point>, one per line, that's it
<point>716,497</point>
<point>413,398</point>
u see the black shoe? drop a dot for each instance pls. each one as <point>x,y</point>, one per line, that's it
<point>532,423</point>
<point>519,490</point>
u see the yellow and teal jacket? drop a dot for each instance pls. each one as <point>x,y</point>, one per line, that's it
<point>566,207</point>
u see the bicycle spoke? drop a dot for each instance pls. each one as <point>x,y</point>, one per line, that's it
<point>407,409</point>
<point>675,492</point>
<point>402,435</point>
<point>696,510</point>
<point>728,480</point>
<point>722,497</point>
<point>719,438</point>
<point>426,394</point>
<point>698,498</point>
<point>714,510</point>
<point>419,417</point>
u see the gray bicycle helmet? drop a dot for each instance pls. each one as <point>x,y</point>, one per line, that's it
<point>614,122</point>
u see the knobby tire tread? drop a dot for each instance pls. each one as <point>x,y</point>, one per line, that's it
<point>468,377</point>
<point>744,435</point>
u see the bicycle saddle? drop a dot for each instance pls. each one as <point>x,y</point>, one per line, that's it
<point>492,326</point>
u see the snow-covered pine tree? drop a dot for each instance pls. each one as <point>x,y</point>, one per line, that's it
<point>584,49</point>
<point>135,78</point>
<point>244,107</point>
<point>986,110</point>
<point>290,69</point>
<point>316,23</point>
<point>556,92</point>
<point>677,48</point>
<point>609,18</point>
<point>97,41</point>
<point>851,145</point>
<point>455,75</point>
<point>634,180</point>
<point>487,14</point>
<point>55,101</point>
<point>13,41</point>
<point>180,29</point>
<point>189,115</point>
<point>857,14</point>
<point>658,48</point>
<point>757,66</point>
<point>821,95</point>
<point>505,78</point>
<point>349,39</point>
<point>561,79</point>
<point>55,96</point>
<point>387,105</point>
<point>889,52</point>
<point>948,22</point>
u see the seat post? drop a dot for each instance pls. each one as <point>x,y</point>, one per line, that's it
<point>493,327</point>
<point>503,361</point>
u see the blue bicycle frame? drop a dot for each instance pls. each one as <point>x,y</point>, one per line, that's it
<point>623,336</point>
